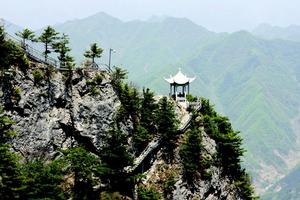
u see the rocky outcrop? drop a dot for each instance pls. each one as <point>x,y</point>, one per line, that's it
<point>64,109</point>
<point>214,188</point>
<point>59,112</point>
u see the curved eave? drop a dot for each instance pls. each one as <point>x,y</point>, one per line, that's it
<point>169,80</point>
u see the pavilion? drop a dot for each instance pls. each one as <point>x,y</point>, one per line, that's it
<point>179,86</point>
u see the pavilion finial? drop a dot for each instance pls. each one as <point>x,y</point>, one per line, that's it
<point>179,69</point>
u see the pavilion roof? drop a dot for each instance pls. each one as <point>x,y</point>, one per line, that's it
<point>180,78</point>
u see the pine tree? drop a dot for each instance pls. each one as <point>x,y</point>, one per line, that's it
<point>116,156</point>
<point>10,53</point>
<point>43,181</point>
<point>26,35</point>
<point>48,37</point>
<point>141,137</point>
<point>11,179</point>
<point>85,166</point>
<point>148,111</point>
<point>229,149</point>
<point>145,130</point>
<point>93,52</point>
<point>118,75</point>
<point>190,153</point>
<point>167,124</point>
<point>61,47</point>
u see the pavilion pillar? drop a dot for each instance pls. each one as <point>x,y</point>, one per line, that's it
<point>174,89</point>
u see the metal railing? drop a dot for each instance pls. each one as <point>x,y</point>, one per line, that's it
<point>33,53</point>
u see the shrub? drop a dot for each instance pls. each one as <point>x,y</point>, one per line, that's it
<point>191,98</point>
<point>111,196</point>
<point>147,193</point>
<point>38,75</point>
<point>168,185</point>
<point>94,90</point>
<point>17,93</point>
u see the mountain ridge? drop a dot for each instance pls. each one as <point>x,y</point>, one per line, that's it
<point>252,80</point>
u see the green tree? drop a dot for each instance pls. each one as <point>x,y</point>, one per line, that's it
<point>118,75</point>
<point>43,181</point>
<point>206,108</point>
<point>148,111</point>
<point>167,125</point>
<point>133,106</point>
<point>145,193</point>
<point>229,149</point>
<point>10,53</point>
<point>141,137</point>
<point>48,37</point>
<point>61,47</point>
<point>93,52</point>
<point>116,156</point>
<point>146,128</point>
<point>11,179</point>
<point>85,167</point>
<point>190,153</point>
<point>26,35</point>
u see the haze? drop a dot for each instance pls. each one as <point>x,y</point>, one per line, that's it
<point>216,15</point>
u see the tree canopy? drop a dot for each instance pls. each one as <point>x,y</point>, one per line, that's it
<point>93,52</point>
<point>48,37</point>
<point>61,47</point>
<point>26,34</point>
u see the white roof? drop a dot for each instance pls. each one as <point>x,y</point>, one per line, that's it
<point>179,78</point>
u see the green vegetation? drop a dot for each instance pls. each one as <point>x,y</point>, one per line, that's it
<point>288,185</point>
<point>48,37</point>
<point>148,111</point>
<point>111,196</point>
<point>85,167</point>
<point>106,167</point>
<point>10,54</point>
<point>94,52</point>
<point>145,193</point>
<point>116,156</point>
<point>229,149</point>
<point>168,185</point>
<point>38,75</point>
<point>118,75</point>
<point>61,47</point>
<point>191,155</point>
<point>11,179</point>
<point>16,94</point>
<point>42,180</point>
<point>26,35</point>
<point>253,81</point>
<point>167,125</point>
<point>94,84</point>
<point>191,98</point>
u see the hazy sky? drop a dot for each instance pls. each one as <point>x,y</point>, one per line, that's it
<point>216,15</point>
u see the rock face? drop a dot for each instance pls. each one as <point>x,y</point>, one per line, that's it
<point>215,188</point>
<point>70,109</point>
<point>60,112</point>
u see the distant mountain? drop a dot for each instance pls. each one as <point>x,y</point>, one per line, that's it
<point>142,46</point>
<point>255,81</point>
<point>267,31</point>
<point>252,80</point>
<point>10,27</point>
<point>286,189</point>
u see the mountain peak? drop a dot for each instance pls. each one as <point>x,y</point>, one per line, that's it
<point>103,17</point>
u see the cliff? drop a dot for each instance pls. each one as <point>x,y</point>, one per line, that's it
<point>57,110</point>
